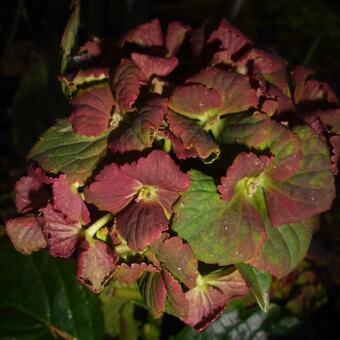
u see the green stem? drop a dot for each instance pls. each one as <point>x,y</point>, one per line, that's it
<point>123,249</point>
<point>92,229</point>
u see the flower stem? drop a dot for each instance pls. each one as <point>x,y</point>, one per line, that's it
<point>92,229</point>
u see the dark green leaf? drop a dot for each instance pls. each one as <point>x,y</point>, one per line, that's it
<point>70,33</point>
<point>60,149</point>
<point>259,282</point>
<point>40,296</point>
<point>118,304</point>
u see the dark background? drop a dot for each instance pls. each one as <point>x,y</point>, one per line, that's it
<point>304,32</point>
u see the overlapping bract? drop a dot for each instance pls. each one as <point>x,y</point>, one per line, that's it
<point>153,140</point>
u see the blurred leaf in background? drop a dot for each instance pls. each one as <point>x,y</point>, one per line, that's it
<point>125,316</point>
<point>41,298</point>
<point>239,322</point>
<point>36,105</point>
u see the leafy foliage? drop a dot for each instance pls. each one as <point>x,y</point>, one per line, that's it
<point>222,145</point>
<point>77,156</point>
<point>41,299</point>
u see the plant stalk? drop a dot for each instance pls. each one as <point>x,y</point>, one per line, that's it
<point>92,229</point>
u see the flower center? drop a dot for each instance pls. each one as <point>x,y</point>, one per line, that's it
<point>146,194</point>
<point>252,184</point>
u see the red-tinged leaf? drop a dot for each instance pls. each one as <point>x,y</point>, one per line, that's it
<point>285,247</point>
<point>25,234</point>
<point>335,142</point>
<point>272,67</point>
<point>129,274</point>
<point>153,290</point>
<point>330,118</point>
<point>175,36</point>
<point>299,76</point>
<point>161,174</point>
<point>178,258</point>
<point>309,91</point>
<point>96,263</point>
<point>298,183</point>
<point>141,224</point>
<point>195,101</point>
<point>231,284</point>
<point>178,146</point>
<point>318,128</point>
<point>91,110</point>
<point>223,57</point>
<point>316,92</point>
<point>235,90</point>
<point>150,179</point>
<point>35,171</point>
<point>31,193</point>
<point>269,107</point>
<point>244,165</point>
<point>205,306</point>
<point>193,138</point>
<point>145,35</point>
<point>84,77</point>
<point>141,132</point>
<point>260,132</point>
<point>161,293</point>
<point>218,231</point>
<point>284,104</point>
<point>158,169</point>
<point>112,189</point>
<point>126,85</point>
<point>175,301</point>
<point>154,66</point>
<point>209,298</point>
<point>67,201</point>
<point>91,47</point>
<point>309,191</point>
<point>231,39</point>
<point>62,235</point>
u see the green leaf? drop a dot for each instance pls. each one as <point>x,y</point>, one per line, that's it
<point>285,247</point>
<point>239,230</point>
<point>118,304</point>
<point>41,297</point>
<point>246,324</point>
<point>37,103</point>
<point>259,282</point>
<point>70,33</point>
<point>128,325</point>
<point>60,149</point>
<point>218,231</point>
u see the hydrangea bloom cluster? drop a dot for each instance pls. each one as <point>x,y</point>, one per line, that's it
<point>186,149</point>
